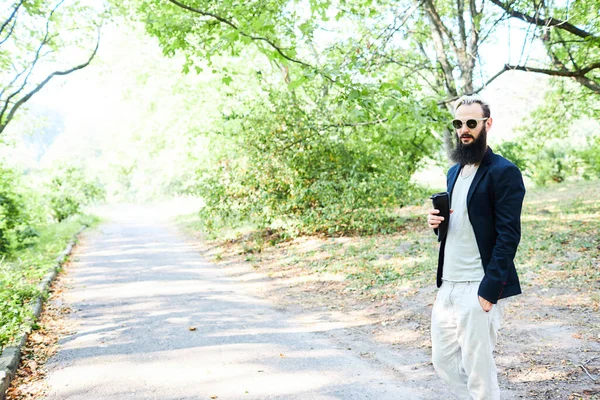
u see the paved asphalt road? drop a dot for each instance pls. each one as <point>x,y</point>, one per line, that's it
<point>138,288</point>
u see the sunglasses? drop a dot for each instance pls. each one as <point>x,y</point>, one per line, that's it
<point>471,123</point>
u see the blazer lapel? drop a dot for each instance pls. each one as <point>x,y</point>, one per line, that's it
<point>483,167</point>
<point>452,179</point>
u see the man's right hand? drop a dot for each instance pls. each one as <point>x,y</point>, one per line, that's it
<point>434,220</point>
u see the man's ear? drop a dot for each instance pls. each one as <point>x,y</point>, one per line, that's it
<point>488,124</point>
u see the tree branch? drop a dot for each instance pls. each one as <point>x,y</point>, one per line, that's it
<point>472,48</point>
<point>489,32</point>
<point>543,22</point>
<point>475,26</point>
<point>451,99</point>
<point>565,73</point>
<point>16,78</point>
<point>9,33</point>
<point>31,67</point>
<point>438,43</point>
<point>39,87</point>
<point>252,37</point>
<point>416,68</point>
<point>393,29</point>
<point>591,84</point>
<point>14,13</point>
<point>317,129</point>
<point>461,23</point>
<point>439,24</point>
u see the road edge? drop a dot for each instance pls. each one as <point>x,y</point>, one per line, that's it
<point>11,355</point>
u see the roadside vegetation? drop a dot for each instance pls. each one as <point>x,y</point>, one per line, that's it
<point>39,218</point>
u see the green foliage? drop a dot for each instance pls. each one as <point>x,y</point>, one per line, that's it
<point>514,151</point>
<point>15,294</point>
<point>556,161</point>
<point>560,114</point>
<point>553,163</point>
<point>590,157</point>
<point>558,140</point>
<point>38,39</point>
<point>296,167</point>
<point>69,189</point>
<point>15,228</point>
<point>316,117</point>
<point>20,276</point>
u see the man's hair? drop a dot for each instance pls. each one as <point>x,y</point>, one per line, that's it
<point>472,99</point>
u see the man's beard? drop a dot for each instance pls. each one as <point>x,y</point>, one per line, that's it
<point>471,153</point>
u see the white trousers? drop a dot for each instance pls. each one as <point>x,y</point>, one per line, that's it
<point>463,338</point>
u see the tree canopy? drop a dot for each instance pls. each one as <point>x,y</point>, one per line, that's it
<point>40,40</point>
<point>314,114</point>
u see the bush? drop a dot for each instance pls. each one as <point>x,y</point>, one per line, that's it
<point>514,152</point>
<point>590,157</point>
<point>552,161</point>
<point>69,190</point>
<point>289,170</point>
<point>14,220</point>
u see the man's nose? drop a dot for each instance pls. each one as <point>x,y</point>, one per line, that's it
<point>464,129</point>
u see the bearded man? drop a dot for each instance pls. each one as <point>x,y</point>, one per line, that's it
<point>476,269</point>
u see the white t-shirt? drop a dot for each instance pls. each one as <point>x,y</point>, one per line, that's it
<point>462,261</point>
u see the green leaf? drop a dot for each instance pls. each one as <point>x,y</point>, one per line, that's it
<point>227,80</point>
<point>296,83</point>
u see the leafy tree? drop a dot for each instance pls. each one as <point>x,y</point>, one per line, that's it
<point>39,40</point>
<point>69,189</point>
<point>456,30</point>
<point>319,177</point>
<point>570,32</point>
<point>331,106</point>
<point>15,221</point>
<point>558,139</point>
<point>324,140</point>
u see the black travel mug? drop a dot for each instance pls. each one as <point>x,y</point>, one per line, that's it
<point>441,201</point>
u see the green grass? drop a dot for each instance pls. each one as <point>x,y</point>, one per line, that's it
<point>561,241</point>
<point>21,273</point>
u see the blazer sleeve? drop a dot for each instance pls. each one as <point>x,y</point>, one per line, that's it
<point>509,192</point>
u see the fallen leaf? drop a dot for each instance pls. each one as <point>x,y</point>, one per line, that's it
<point>193,328</point>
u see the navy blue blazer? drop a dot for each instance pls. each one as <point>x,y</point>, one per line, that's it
<point>494,204</point>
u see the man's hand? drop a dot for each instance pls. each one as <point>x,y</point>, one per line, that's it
<point>485,305</point>
<point>434,220</point>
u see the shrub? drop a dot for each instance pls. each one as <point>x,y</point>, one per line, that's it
<point>14,221</point>
<point>296,168</point>
<point>590,157</point>
<point>552,161</point>
<point>69,190</point>
<point>514,152</point>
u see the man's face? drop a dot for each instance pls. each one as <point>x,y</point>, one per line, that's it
<point>471,135</point>
<point>466,112</point>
